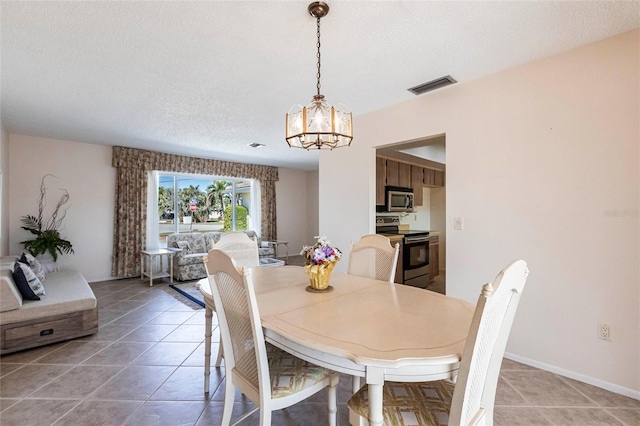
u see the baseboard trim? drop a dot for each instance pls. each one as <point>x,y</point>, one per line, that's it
<point>631,393</point>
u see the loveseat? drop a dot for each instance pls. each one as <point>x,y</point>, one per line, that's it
<point>191,247</point>
<point>66,311</point>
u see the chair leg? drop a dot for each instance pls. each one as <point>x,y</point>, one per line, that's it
<point>333,406</point>
<point>265,416</point>
<point>229,397</point>
<point>220,353</point>
<point>355,384</point>
<point>207,348</point>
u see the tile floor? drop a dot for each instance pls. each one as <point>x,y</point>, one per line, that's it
<point>145,367</point>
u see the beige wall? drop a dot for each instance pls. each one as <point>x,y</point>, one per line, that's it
<point>313,228</point>
<point>4,190</point>
<point>536,157</point>
<point>85,171</point>
<point>296,200</point>
<point>438,222</point>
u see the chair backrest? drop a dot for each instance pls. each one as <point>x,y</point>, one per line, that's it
<point>475,389</point>
<point>240,247</point>
<point>240,326</point>
<point>372,256</point>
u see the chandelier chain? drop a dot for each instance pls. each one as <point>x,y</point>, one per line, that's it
<point>318,55</point>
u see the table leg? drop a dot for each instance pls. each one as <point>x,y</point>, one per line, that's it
<point>142,266</point>
<point>375,380</point>
<point>171,267</point>
<point>151,271</point>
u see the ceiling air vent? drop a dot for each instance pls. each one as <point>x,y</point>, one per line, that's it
<point>432,85</point>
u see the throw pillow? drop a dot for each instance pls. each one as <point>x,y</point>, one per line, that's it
<point>34,264</point>
<point>184,245</point>
<point>28,284</point>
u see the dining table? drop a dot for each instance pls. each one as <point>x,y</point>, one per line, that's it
<point>364,327</point>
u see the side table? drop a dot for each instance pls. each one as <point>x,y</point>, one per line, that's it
<point>150,255</point>
<point>277,243</point>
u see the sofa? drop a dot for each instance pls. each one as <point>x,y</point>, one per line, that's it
<point>191,247</point>
<point>66,311</point>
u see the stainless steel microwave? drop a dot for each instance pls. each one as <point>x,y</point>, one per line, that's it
<point>399,199</point>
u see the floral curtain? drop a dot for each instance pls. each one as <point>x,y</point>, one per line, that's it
<point>133,166</point>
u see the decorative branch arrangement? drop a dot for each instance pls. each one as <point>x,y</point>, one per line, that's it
<point>47,232</point>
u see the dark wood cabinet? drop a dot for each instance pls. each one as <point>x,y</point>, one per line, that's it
<point>392,173</point>
<point>416,184</point>
<point>433,178</point>
<point>404,175</point>
<point>438,178</point>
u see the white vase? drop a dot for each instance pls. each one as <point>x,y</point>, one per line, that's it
<point>47,262</point>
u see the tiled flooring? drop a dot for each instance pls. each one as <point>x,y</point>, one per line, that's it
<point>145,367</point>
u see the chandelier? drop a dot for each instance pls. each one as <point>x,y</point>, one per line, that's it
<point>319,125</point>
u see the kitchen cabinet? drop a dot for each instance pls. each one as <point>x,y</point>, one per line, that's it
<point>381,180</point>
<point>416,184</point>
<point>433,178</point>
<point>392,173</point>
<point>434,256</point>
<point>404,175</point>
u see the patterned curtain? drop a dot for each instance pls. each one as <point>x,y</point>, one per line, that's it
<point>130,221</point>
<point>131,197</point>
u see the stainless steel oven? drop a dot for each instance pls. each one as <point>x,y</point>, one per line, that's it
<point>415,260</point>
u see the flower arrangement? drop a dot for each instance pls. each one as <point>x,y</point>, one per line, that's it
<point>47,231</point>
<point>321,253</point>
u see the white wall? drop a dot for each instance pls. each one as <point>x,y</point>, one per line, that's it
<point>297,201</point>
<point>536,156</point>
<point>4,190</point>
<point>85,171</point>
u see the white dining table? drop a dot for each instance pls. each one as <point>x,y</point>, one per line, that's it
<point>364,327</point>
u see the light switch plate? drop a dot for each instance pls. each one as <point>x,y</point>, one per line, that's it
<point>458,223</point>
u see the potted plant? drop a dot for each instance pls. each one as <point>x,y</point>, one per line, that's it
<point>48,240</point>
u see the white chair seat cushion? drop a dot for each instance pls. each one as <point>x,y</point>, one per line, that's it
<point>290,374</point>
<point>409,404</point>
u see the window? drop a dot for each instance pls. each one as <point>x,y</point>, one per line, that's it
<point>192,203</point>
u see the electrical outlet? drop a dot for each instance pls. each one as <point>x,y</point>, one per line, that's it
<point>604,332</point>
<point>458,223</point>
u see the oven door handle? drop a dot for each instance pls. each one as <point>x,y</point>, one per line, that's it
<point>413,240</point>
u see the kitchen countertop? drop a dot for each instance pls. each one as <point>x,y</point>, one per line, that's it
<point>398,237</point>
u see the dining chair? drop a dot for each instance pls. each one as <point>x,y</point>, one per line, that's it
<point>471,399</point>
<point>240,247</point>
<point>244,250</point>
<point>270,377</point>
<point>374,257</point>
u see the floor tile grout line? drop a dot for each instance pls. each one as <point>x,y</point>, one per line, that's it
<point>564,380</point>
<point>611,413</point>
<point>524,398</point>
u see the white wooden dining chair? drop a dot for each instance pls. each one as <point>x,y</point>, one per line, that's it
<point>471,400</point>
<point>240,247</point>
<point>244,250</point>
<point>271,378</point>
<point>374,257</point>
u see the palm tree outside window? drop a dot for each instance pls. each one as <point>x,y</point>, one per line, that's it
<point>194,203</point>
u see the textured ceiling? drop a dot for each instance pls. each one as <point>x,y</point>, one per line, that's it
<point>208,78</point>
